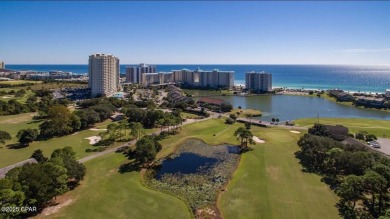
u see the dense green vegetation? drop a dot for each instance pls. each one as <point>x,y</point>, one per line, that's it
<point>106,193</point>
<point>37,184</point>
<point>379,128</point>
<point>359,176</point>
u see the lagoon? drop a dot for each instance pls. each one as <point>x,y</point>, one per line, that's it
<point>288,107</point>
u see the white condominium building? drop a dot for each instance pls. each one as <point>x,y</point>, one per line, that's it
<point>134,73</point>
<point>258,81</point>
<point>157,78</point>
<point>2,65</point>
<point>200,78</point>
<point>103,74</point>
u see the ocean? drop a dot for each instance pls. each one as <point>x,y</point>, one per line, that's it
<point>374,79</point>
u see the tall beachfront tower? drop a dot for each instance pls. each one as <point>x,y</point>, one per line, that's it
<point>103,74</point>
<point>258,81</point>
<point>2,65</point>
<point>134,73</point>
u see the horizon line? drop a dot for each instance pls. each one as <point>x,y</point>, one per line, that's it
<point>207,64</point>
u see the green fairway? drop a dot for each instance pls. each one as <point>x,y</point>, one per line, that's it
<point>14,82</point>
<point>14,123</point>
<point>380,128</point>
<point>40,85</point>
<point>106,193</point>
<point>269,183</point>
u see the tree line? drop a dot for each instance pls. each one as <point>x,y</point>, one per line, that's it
<point>37,184</point>
<point>359,176</point>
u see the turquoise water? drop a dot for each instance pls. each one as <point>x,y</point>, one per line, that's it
<point>346,77</point>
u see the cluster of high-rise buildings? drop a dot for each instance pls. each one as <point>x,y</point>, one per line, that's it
<point>104,76</point>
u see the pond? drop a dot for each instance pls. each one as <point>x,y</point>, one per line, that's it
<point>286,107</point>
<point>191,162</point>
<point>196,172</point>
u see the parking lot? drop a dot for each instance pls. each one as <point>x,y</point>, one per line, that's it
<point>385,145</point>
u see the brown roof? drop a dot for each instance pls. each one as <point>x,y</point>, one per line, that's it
<point>211,101</point>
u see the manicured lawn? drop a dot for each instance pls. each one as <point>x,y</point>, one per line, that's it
<point>106,193</point>
<point>19,99</point>
<point>14,82</point>
<point>50,85</point>
<point>14,123</point>
<point>269,183</point>
<point>186,115</point>
<point>380,128</point>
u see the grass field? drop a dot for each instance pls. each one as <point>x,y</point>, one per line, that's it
<point>268,183</point>
<point>380,128</point>
<point>246,112</point>
<point>14,123</point>
<point>14,82</point>
<point>19,99</point>
<point>50,85</point>
<point>106,193</point>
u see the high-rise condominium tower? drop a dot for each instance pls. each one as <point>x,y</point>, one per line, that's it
<point>2,65</point>
<point>134,73</point>
<point>103,74</point>
<point>258,81</point>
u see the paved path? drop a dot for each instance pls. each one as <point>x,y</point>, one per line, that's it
<point>93,156</point>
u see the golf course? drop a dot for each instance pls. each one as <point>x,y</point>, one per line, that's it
<point>268,182</point>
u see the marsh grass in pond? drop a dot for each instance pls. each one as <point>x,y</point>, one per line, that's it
<point>196,172</point>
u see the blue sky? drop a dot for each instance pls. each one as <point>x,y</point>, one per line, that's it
<point>196,32</point>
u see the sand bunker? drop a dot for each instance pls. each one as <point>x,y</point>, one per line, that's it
<point>53,209</point>
<point>98,129</point>
<point>257,139</point>
<point>94,139</point>
<point>296,132</point>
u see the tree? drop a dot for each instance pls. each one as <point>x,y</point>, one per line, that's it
<point>233,116</point>
<point>350,192</point>
<point>59,122</point>
<point>26,136</point>
<point>66,157</point>
<point>277,120</point>
<point>245,136</point>
<point>371,137</point>
<point>374,186</point>
<point>38,156</point>
<point>4,136</point>
<point>248,125</point>
<point>273,119</point>
<point>136,129</point>
<point>145,150</point>
<point>319,129</point>
<point>229,121</point>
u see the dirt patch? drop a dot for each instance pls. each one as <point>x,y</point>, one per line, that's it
<point>55,208</point>
<point>94,139</point>
<point>98,129</point>
<point>75,133</point>
<point>273,172</point>
<point>258,140</point>
<point>295,132</point>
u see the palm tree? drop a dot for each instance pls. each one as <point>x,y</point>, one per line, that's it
<point>245,136</point>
